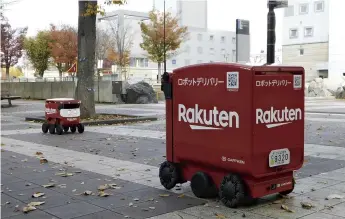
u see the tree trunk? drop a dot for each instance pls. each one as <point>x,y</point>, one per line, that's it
<point>7,72</point>
<point>59,67</point>
<point>159,72</point>
<point>86,60</point>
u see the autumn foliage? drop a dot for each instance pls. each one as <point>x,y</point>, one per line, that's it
<point>64,46</point>
<point>153,36</point>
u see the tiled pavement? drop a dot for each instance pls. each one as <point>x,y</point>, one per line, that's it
<point>129,156</point>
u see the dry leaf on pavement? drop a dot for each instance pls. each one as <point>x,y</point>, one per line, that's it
<point>164,195</point>
<point>86,193</point>
<point>43,161</point>
<point>287,209</point>
<point>306,205</point>
<point>35,203</point>
<point>334,196</point>
<point>64,174</point>
<point>28,208</point>
<point>220,216</point>
<point>180,196</point>
<point>37,194</point>
<point>103,194</point>
<point>49,185</point>
<point>103,187</point>
<point>130,204</point>
<point>152,208</point>
<point>39,153</point>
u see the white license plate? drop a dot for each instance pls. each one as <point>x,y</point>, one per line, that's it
<point>279,157</point>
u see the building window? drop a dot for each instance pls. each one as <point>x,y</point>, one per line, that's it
<point>289,11</point>
<point>200,50</point>
<point>319,6</point>
<point>211,37</point>
<point>293,33</point>
<point>186,62</point>
<point>199,61</point>
<point>139,62</point>
<point>303,8</point>
<point>301,52</point>
<point>222,39</point>
<point>308,31</point>
<point>200,37</point>
<point>234,40</point>
<point>212,51</point>
<point>173,61</point>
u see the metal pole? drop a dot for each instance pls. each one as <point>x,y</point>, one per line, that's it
<point>271,35</point>
<point>165,61</point>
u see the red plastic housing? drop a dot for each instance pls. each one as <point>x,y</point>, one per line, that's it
<point>228,118</point>
<point>65,111</point>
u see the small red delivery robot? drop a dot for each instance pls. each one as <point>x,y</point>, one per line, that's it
<point>233,130</point>
<point>61,115</point>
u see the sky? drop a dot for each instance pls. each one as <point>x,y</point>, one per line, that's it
<point>222,15</point>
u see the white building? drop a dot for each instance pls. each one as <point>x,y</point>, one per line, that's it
<point>313,38</point>
<point>203,45</point>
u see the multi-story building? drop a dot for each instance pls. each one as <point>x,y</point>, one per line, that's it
<point>313,38</point>
<point>203,45</point>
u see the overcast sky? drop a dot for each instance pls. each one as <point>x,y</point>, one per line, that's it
<point>222,15</point>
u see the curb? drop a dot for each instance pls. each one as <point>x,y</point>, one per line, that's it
<point>103,122</point>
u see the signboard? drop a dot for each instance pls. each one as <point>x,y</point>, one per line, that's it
<point>278,3</point>
<point>242,27</point>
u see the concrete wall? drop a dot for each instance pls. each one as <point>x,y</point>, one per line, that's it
<point>46,90</point>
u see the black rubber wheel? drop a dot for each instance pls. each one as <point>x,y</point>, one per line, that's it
<point>73,129</point>
<point>45,127</point>
<point>59,129</point>
<point>232,191</point>
<point>290,190</point>
<point>51,129</point>
<point>65,128</point>
<point>202,186</point>
<point>168,175</point>
<point>80,128</point>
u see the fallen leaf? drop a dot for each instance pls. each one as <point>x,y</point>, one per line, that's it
<point>39,153</point>
<point>43,161</point>
<point>220,216</point>
<point>37,194</point>
<point>121,169</point>
<point>130,204</point>
<point>28,208</point>
<point>164,195</point>
<point>86,193</point>
<point>50,185</point>
<point>180,196</point>
<point>136,199</point>
<point>334,196</point>
<point>62,186</point>
<point>103,194</point>
<point>103,187</point>
<point>2,144</point>
<point>64,174</point>
<point>35,203</point>
<point>313,190</point>
<point>287,209</point>
<point>152,208</point>
<point>323,182</point>
<point>306,205</point>
<point>25,160</point>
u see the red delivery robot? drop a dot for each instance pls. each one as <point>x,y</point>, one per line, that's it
<point>234,130</point>
<point>61,115</point>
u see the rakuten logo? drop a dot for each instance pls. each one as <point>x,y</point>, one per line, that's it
<point>274,118</point>
<point>202,119</point>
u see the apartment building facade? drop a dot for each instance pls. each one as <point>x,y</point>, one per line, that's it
<point>311,38</point>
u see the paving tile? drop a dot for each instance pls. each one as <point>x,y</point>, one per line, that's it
<point>211,211</point>
<point>175,215</point>
<point>9,209</point>
<point>333,175</point>
<point>340,187</point>
<point>27,194</point>
<point>275,211</point>
<point>37,214</point>
<point>102,215</point>
<point>6,178</point>
<point>322,193</point>
<point>248,215</point>
<point>74,210</point>
<point>337,210</point>
<point>19,186</point>
<point>53,201</point>
<point>37,175</point>
<point>147,193</point>
<point>319,215</point>
<point>111,202</point>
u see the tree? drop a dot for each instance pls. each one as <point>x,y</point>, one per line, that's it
<point>63,46</point>
<point>104,42</point>
<point>123,44</point>
<point>153,36</point>
<point>38,51</point>
<point>88,10</point>
<point>12,41</point>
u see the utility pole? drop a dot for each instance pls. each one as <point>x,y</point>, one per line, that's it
<point>165,61</point>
